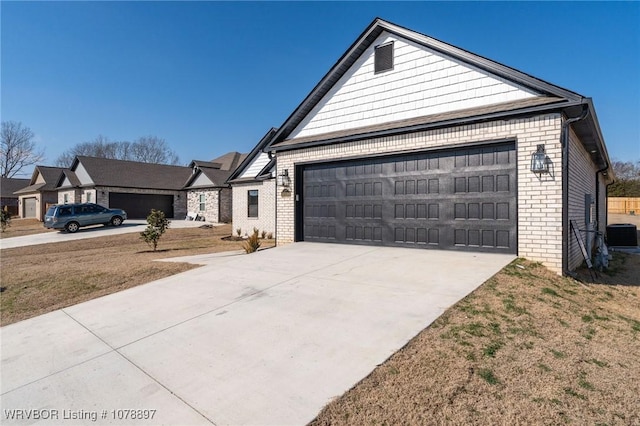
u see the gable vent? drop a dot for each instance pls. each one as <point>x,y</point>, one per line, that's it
<point>384,57</point>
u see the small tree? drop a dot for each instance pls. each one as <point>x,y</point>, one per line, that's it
<point>6,218</point>
<point>157,225</point>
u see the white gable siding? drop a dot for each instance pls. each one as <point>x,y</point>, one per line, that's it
<point>82,175</point>
<point>422,82</point>
<point>256,166</point>
<point>39,178</point>
<point>66,182</point>
<point>201,180</point>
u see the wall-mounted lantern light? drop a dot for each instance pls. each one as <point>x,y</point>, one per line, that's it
<point>539,161</point>
<point>283,178</point>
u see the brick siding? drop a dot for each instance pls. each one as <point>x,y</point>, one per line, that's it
<point>539,198</point>
<point>266,220</point>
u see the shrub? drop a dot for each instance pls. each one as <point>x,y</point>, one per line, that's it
<point>6,219</point>
<point>270,236</point>
<point>252,244</point>
<point>239,231</point>
<point>263,235</point>
<point>157,225</point>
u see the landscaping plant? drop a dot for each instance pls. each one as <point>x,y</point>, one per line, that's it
<point>157,225</point>
<point>6,219</point>
<point>252,244</point>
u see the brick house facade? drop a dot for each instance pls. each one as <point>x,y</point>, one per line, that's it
<point>34,199</point>
<point>212,204</point>
<point>254,191</point>
<point>265,219</point>
<point>209,196</point>
<point>359,153</point>
<point>132,186</point>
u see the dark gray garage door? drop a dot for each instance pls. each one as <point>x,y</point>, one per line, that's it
<point>138,206</point>
<point>29,207</point>
<point>455,199</point>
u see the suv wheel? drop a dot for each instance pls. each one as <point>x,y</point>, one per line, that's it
<point>116,221</point>
<point>72,227</point>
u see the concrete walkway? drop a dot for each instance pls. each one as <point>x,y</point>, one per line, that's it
<point>131,225</point>
<point>264,339</point>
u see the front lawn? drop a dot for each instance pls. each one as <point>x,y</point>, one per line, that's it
<point>19,227</point>
<point>43,278</point>
<point>527,347</point>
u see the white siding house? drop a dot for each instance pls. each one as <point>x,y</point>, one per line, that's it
<point>411,142</point>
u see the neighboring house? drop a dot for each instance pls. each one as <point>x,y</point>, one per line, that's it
<point>9,200</point>
<point>133,186</point>
<point>254,190</point>
<point>408,141</point>
<point>208,194</point>
<point>68,186</point>
<point>34,199</point>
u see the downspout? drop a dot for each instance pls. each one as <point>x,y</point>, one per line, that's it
<point>275,207</point>
<point>564,140</point>
<point>604,169</point>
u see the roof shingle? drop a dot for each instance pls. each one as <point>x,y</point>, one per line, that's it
<point>132,174</point>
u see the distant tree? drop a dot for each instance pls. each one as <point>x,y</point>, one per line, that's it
<point>152,149</point>
<point>626,170</point>
<point>627,182</point>
<point>624,188</point>
<point>18,149</point>
<point>147,149</point>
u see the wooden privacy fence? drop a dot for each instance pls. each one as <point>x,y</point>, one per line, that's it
<point>624,205</point>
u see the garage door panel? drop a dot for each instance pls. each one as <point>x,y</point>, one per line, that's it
<point>138,206</point>
<point>29,207</point>
<point>457,199</point>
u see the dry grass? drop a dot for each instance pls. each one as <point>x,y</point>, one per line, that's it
<point>43,278</point>
<point>20,227</point>
<point>527,347</point>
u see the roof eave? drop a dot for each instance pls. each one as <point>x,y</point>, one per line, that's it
<point>590,135</point>
<point>429,126</point>
<point>264,142</point>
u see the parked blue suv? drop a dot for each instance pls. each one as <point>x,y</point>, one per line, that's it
<point>71,217</point>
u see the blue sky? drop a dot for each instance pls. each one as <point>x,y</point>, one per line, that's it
<point>213,77</point>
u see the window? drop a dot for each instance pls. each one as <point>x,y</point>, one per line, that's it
<point>383,57</point>
<point>64,211</point>
<point>252,202</point>
<point>88,197</point>
<point>202,202</point>
<point>66,198</point>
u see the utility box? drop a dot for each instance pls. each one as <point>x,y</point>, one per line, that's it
<point>622,235</point>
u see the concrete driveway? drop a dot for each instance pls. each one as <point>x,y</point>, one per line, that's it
<point>131,225</point>
<point>265,339</point>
